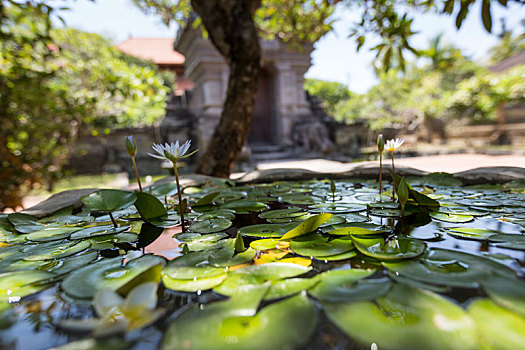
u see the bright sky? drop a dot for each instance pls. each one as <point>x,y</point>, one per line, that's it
<point>334,58</point>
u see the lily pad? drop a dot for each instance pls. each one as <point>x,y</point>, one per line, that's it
<point>509,293</point>
<point>455,218</point>
<point>349,285</point>
<point>395,249</point>
<point>406,318</point>
<point>192,279</point>
<point>54,250</point>
<point>245,206</point>
<point>16,285</point>
<point>109,200</point>
<point>108,273</point>
<point>210,225</point>
<point>285,324</point>
<point>497,327</point>
<point>337,208</point>
<point>264,230</point>
<point>51,234</point>
<point>307,226</point>
<point>320,248</point>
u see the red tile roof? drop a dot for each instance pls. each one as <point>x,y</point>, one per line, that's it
<point>158,50</point>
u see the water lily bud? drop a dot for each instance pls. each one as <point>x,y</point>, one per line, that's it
<point>403,191</point>
<point>131,146</point>
<point>380,143</point>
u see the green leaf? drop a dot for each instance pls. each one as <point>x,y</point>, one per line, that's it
<point>148,234</point>
<point>239,243</point>
<point>349,285</point>
<point>497,327</point>
<point>486,16</point>
<point>406,318</point>
<point>307,226</point>
<point>394,249</point>
<point>206,200</point>
<point>149,206</point>
<point>15,285</point>
<point>210,225</point>
<point>285,324</point>
<point>107,273</point>
<point>108,200</point>
<point>507,292</point>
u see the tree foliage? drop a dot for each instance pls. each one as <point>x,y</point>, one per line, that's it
<point>56,84</point>
<point>331,93</point>
<point>447,86</point>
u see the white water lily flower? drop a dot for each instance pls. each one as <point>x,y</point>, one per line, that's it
<point>119,315</point>
<point>392,145</point>
<point>172,151</point>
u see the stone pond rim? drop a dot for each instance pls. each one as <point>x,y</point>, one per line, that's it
<point>490,175</point>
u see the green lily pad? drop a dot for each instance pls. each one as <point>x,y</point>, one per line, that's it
<point>478,234</point>
<point>95,231</point>
<point>451,217</point>
<point>320,248</point>
<point>337,208</point>
<point>210,225</point>
<point>406,318</point>
<point>51,234</point>
<point>149,207</point>
<point>348,285</point>
<point>298,198</point>
<point>54,250</point>
<point>257,275</point>
<point>497,327</point>
<point>265,244</point>
<point>290,286</point>
<point>107,273</point>
<point>109,200</point>
<point>307,226</point>
<point>283,325</point>
<point>16,285</point>
<point>450,268</point>
<point>192,279</point>
<point>356,230</point>
<point>264,230</point>
<point>509,293</point>
<point>283,213</point>
<point>339,257</point>
<point>395,249</point>
<point>24,223</point>
<point>245,206</point>
<point>108,241</point>
<point>167,189</point>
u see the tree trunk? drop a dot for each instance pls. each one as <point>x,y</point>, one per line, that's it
<point>231,28</point>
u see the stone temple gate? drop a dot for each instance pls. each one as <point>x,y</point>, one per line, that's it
<point>280,103</point>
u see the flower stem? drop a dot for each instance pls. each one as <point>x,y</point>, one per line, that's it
<point>113,220</point>
<point>380,174</point>
<point>393,177</point>
<point>136,173</point>
<point>179,195</point>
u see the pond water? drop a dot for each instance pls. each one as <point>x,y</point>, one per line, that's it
<point>310,264</point>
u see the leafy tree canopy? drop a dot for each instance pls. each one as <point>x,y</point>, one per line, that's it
<point>56,84</point>
<point>331,93</point>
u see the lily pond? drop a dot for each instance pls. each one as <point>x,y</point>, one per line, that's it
<point>312,264</point>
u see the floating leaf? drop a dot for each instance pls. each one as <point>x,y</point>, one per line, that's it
<point>16,285</point>
<point>107,273</point>
<point>320,248</point>
<point>149,207</point>
<point>108,200</point>
<point>51,234</point>
<point>406,318</point>
<point>307,226</point>
<point>497,327</point>
<point>285,324</point>
<point>210,225</point>
<point>343,286</point>
<point>509,293</point>
<point>395,249</point>
<point>451,217</point>
<point>245,206</point>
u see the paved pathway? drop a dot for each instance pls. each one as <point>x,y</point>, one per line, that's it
<point>451,163</point>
